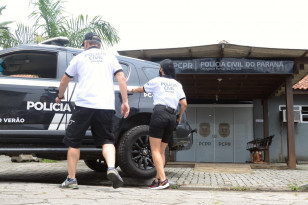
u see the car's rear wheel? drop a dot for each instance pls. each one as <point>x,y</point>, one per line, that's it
<point>134,154</point>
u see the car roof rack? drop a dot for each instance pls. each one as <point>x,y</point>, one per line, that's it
<point>58,41</point>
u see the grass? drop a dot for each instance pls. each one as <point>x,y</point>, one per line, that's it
<point>174,186</point>
<point>239,188</point>
<point>49,161</point>
<point>294,187</point>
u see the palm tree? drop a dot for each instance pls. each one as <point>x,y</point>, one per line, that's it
<point>3,25</point>
<point>4,30</point>
<point>22,35</point>
<point>48,17</point>
<point>49,22</point>
<point>75,29</point>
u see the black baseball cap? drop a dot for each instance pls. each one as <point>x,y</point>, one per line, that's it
<point>168,67</point>
<point>91,36</point>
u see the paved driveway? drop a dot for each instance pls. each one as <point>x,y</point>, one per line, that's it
<point>207,178</point>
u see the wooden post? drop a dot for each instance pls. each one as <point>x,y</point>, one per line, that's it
<point>171,156</point>
<point>290,124</point>
<point>265,127</point>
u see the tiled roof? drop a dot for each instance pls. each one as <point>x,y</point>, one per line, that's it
<point>302,84</point>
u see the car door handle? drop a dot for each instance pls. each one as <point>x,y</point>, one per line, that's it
<point>52,89</point>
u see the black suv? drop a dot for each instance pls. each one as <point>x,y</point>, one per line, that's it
<point>32,123</point>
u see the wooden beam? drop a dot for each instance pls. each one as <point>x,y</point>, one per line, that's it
<point>300,92</point>
<point>277,89</point>
<point>144,56</point>
<point>249,53</point>
<point>296,68</point>
<point>304,55</point>
<point>265,127</point>
<point>290,124</point>
<point>222,50</point>
<point>302,60</point>
<point>190,53</point>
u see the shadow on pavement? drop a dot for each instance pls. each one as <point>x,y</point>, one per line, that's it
<point>55,173</point>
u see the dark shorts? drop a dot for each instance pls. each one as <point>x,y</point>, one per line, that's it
<point>162,123</point>
<point>101,122</point>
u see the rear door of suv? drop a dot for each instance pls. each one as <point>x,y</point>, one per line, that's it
<point>132,80</point>
<point>28,88</point>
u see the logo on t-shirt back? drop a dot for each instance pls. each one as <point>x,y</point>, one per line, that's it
<point>169,86</point>
<point>95,57</point>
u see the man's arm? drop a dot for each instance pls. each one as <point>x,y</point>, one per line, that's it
<point>123,89</point>
<point>63,85</point>
<point>183,108</point>
<point>137,90</point>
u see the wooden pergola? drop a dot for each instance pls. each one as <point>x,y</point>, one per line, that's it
<point>238,86</point>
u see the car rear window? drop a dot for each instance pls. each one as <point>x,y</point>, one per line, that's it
<point>150,72</point>
<point>29,65</point>
<point>125,68</point>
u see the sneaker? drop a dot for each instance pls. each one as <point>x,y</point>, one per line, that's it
<point>116,179</point>
<point>70,183</point>
<point>154,184</point>
<point>161,185</point>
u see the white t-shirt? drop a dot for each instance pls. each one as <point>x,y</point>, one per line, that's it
<point>166,91</point>
<point>95,70</point>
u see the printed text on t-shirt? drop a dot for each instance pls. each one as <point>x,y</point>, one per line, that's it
<point>95,57</point>
<point>169,87</point>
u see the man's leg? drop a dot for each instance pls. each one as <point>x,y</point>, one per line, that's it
<point>109,154</point>
<point>112,173</point>
<point>73,155</point>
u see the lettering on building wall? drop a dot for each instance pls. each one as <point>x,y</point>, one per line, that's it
<point>204,144</point>
<point>224,144</point>
<point>233,65</point>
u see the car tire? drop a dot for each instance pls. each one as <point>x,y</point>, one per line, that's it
<point>134,154</point>
<point>98,165</point>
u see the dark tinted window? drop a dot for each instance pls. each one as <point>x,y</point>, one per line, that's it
<point>125,68</point>
<point>29,65</point>
<point>151,73</point>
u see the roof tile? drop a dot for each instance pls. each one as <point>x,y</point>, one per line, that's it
<point>302,84</point>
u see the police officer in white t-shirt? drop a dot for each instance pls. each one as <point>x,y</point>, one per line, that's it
<point>167,93</point>
<point>95,105</point>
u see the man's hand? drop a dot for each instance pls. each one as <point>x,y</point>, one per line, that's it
<point>123,89</point>
<point>63,85</point>
<point>125,109</point>
<point>58,100</point>
<point>179,120</point>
